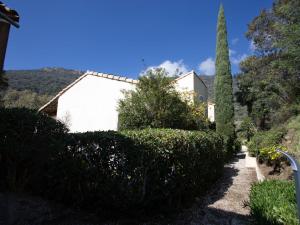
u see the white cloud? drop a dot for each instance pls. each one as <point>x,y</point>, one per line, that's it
<point>231,52</point>
<point>172,68</point>
<point>234,41</point>
<point>207,66</point>
<point>237,59</point>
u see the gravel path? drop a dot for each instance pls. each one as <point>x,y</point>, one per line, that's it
<point>226,203</point>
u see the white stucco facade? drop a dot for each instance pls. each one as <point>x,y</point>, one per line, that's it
<point>90,103</point>
<point>190,84</point>
<point>211,111</point>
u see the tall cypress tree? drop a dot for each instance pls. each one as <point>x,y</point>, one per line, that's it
<point>224,111</point>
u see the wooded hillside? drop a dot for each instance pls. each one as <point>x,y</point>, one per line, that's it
<point>47,81</point>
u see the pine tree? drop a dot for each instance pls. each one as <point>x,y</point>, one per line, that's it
<point>223,83</point>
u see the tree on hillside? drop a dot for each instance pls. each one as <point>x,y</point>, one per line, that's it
<point>270,80</point>
<point>223,82</point>
<point>3,81</point>
<point>247,128</point>
<point>3,86</point>
<point>260,89</point>
<point>155,103</point>
<point>24,99</point>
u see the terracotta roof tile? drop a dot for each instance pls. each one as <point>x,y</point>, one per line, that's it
<point>9,14</point>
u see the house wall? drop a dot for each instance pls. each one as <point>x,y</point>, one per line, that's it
<point>186,85</point>
<point>200,89</point>
<point>211,112</point>
<point>91,104</point>
<point>193,86</point>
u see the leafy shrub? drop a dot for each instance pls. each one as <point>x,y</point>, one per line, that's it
<point>98,171</point>
<point>179,161</point>
<point>29,143</point>
<point>155,103</point>
<point>146,169</point>
<point>263,139</point>
<point>270,155</point>
<point>247,128</point>
<point>237,145</point>
<point>294,137</point>
<point>274,203</point>
<point>284,114</point>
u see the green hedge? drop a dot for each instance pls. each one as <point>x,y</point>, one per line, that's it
<point>182,164</point>
<point>29,144</point>
<point>150,169</point>
<point>99,171</point>
<point>106,171</point>
<point>274,203</point>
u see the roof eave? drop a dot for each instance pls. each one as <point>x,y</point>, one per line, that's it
<point>9,20</point>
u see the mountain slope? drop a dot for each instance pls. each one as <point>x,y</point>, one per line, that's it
<point>41,81</point>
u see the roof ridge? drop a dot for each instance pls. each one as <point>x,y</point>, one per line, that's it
<point>191,72</point>
<point>184,75</point>
<point>112,77</point>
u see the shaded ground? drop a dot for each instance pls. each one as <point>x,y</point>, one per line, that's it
<point>225,204</point>
<point>285,172</point>
<point>23,210</point>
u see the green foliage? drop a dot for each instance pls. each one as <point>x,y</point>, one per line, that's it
<point>188,160</point>
<point>224,110</point>
<point>294,137</point>
<point>247,128</point>
<point>140,170</point>
<point>261,90</point>
<point>106,172</point>
<point>26,98</point>
<point>155,103</point>
<point>3,85</point>
<point>286,112</point>
<point>270,80</point>
<point>274,203</point>
<point>33,88</point>
<point>28,141</point>
<point>3,81</point>
<point>265,139</point>
<point>46,81</point>
<point>270,155</point>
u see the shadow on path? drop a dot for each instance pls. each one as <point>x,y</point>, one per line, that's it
<point>225,203</point>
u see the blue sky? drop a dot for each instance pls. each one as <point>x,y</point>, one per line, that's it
<point>126,36</point>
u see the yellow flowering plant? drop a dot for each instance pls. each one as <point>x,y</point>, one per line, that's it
<point>269,153</point>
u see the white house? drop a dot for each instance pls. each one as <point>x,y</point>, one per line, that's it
<point>90,102</point>
<point>192,85</point>
<point>211,111</point>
